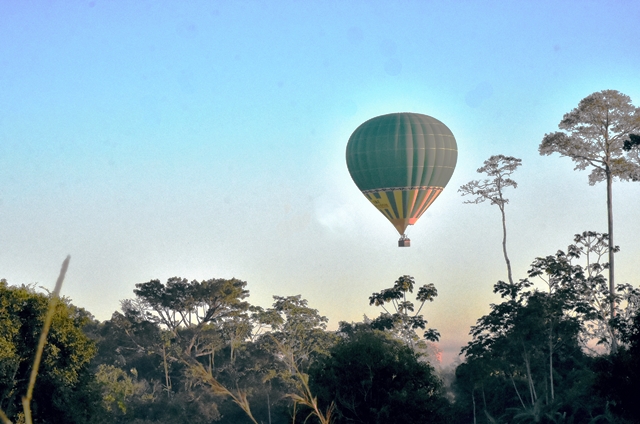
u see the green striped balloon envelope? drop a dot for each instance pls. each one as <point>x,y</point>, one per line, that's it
<point>401,162</point>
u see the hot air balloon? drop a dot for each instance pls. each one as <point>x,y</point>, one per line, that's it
<point>401,162</point>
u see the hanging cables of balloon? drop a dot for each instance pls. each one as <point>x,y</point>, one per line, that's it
<point>404,241</point>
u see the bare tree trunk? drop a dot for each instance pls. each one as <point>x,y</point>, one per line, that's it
<point>269,403</point>
<point>614,343</point>
<point>166,373</point>
<point>517,391</point>
<point>532,388</point>
<point>484,400</point>
<point>551,361</point>
<point>530,383</point>
<point>504,245</point>
<point>473,399</point>
<point>546,392</point>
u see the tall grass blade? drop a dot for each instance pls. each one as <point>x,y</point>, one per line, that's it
<point>53,302</point>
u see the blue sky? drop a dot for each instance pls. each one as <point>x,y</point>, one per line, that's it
<point>206,139</point>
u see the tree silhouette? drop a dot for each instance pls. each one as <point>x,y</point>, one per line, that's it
<point>500,168</point>
<point>593,136</point>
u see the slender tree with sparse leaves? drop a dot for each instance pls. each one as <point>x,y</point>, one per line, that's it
<point>499,168</point>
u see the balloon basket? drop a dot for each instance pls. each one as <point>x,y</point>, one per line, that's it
<point>404,241</point>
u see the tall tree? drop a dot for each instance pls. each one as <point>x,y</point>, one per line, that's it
<point>528,357</point>
<point>298,337</point>
<point>581,269</point>
<point>499,168</point>
<point>298,328</point>
<point>524,357</point>
<point>187,309</point>
<point>373,378</point>
<point>201,317</point>
<point>593,135</point>
<point>402,318</point>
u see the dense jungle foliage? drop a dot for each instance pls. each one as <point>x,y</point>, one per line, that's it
<point>199,352</point>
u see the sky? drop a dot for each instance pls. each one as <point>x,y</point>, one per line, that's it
<point>206,139</point>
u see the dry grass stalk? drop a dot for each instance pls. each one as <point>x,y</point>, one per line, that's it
<point>239,398</point>
<point>305,397</point>
<point>53,302</point>
<point>5,419</point>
